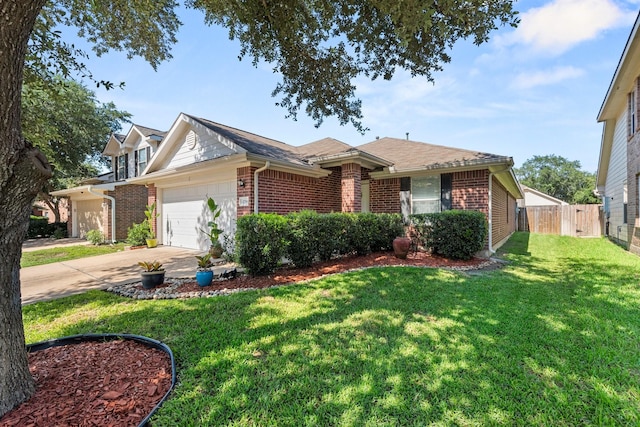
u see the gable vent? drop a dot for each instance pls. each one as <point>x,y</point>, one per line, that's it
<point>191,139</point>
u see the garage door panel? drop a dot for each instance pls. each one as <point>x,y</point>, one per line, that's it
<point>185,213</point>
<point>88,216</point>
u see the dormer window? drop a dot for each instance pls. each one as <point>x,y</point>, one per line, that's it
<point>142,158</point>
<point>121,167</point>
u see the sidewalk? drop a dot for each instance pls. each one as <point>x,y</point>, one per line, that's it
<point>50,281</point>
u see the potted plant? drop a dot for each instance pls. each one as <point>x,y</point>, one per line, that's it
<point>213,233</point>
<point>151,215</point>
<point>204,275</point>
<point>152,274</point>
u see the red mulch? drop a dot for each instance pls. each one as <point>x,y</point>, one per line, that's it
<point>118,383</point>
<point>112,383</point>
<point>293,275</point>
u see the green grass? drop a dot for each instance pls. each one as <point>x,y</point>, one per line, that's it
<point>66,253</point>
<point>552,339</point>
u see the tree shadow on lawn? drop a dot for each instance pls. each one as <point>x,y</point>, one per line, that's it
<point>395,346</point>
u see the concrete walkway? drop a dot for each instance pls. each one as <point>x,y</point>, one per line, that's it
<point>50,281</point>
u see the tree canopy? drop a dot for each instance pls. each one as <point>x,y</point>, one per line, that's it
<point>70,126</point>
<point>558,177</point>
<point>317,46</point>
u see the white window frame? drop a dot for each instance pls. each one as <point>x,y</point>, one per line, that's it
<point>122,167</point>
<point>437,198</point>
<point>141,165</point>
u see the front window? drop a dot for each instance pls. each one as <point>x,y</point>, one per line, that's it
<point>425,194</point>
<point>142,161</point>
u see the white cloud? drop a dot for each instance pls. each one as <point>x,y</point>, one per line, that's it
<point>561,24</point>
<point>545,78</point>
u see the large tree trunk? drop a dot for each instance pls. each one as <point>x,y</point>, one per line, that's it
<point>23,171</point>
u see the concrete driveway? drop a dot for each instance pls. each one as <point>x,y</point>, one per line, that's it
<point>50,281</point>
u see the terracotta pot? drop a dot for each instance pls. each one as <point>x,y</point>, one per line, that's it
<point>401,246</point>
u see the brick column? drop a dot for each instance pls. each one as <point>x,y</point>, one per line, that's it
<point>152,197</point>
<point>351,188</point>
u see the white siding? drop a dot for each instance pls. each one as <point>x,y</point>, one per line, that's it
<point>616,176</point>
<point>533,199</point>
<point>208,146</point>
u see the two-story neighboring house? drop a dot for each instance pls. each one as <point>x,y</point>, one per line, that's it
<point>101,202</point>
<point>618,176</point>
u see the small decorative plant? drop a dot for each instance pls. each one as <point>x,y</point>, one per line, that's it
<point>204,262</point>
<point>214,232</point>
<point>152,275</point>
<point>151,215</point>
<point>151,266</point>
<point>204,274</point>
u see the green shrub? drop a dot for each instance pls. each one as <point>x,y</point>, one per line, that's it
<point>362,228</point>
<point>261,242</point>
<point>95,237</point>
<point>138,234</point>
<point>302,235</point>
<point>38,227</point>
<point>389,226</point>
<point>332,235</point>
<point>58,230</point>
<point>455,234</point>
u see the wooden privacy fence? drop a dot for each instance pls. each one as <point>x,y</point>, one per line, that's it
<point>566,220</point>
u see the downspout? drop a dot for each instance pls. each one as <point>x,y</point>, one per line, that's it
<point>255,185</point>
<point>491,174</point>
<point>113,211</point>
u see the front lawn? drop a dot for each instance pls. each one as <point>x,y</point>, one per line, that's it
<point>552,339</point>
<point>66,253</point>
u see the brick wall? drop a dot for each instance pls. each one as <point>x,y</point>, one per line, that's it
<point>246,175</point>
<point>351,188</point>
<point>470,190</point>
<point>503,209</point>
<point>633,171</point>
<point>384,195</point>
<point>284,192</point>
<point>131,201</point>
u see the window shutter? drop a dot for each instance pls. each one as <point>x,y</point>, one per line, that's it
<point>115,168</point>
<point>405,198</point>
<point>446,184</point>
<point>135,162</point>
<point>126,165</point>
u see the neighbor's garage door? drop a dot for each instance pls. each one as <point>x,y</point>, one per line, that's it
<point>185,213</point>
<point>88,216</point>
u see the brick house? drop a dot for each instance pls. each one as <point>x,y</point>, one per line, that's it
<point>618,175</point>
<point>91,204</point>
<point>247,173</point>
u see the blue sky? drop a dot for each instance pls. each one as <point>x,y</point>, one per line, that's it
<point>534,90</point>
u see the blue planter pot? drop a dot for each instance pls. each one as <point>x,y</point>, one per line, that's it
<point>204,278</point>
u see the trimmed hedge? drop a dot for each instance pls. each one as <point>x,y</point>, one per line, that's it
<point>39,226</point>
<point>455,234</point>
<point>262,240</point>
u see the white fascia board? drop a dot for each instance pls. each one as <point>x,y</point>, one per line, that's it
<point>279,165</point>
<point>622,80</point>
<point>195,169</point>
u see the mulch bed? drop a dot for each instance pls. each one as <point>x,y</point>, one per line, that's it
<point>112,383</point>
<point>118,383</point>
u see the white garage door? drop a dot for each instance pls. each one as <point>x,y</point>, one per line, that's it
<point>185,213</point>
<point>88,216</point>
